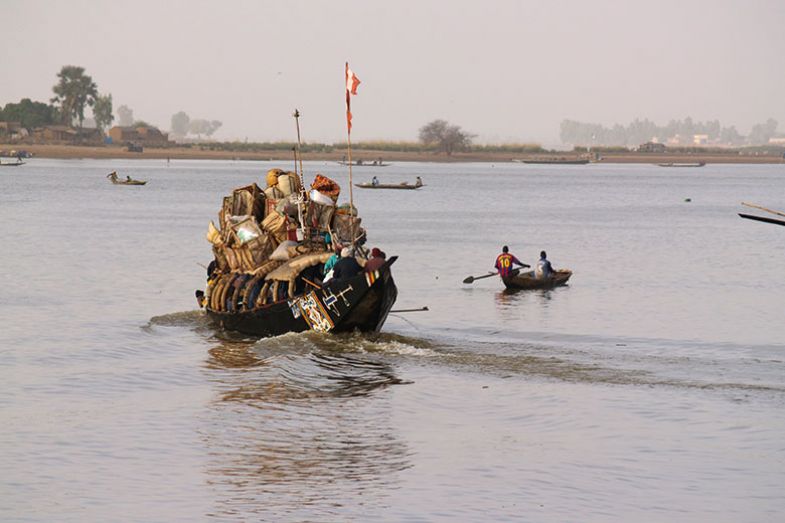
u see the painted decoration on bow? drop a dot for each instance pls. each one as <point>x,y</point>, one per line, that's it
<point>314,313</point>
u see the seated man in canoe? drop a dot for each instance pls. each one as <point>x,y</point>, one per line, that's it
<point>544,268</point>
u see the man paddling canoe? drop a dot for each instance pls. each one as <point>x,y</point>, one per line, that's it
<point>505,261</point>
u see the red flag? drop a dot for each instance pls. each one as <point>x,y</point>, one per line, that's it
<point>351,88</point>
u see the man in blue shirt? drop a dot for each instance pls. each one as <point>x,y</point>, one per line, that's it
<point>544,268</point>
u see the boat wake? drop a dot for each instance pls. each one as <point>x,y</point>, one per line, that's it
<point>179,319</point>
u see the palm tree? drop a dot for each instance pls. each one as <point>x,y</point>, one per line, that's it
<point>74,91</point>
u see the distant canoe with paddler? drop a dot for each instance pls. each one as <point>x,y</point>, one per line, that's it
<point>365,163</point>
<point>402,185</point>
<point>527,280</point>
<point>128,181</point>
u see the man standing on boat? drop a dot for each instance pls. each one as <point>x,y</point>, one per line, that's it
<point>505,261</point>
<point>375,181</point>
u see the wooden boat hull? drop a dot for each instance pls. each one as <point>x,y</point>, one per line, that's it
<point>132,182</point>
<point>698,164</point>
<point>365,164</point>
<point>764,219</point>
<point>15,164</point>
<point>554,162</point>
<point>387,186</point>
<point>359,303</point>
<point>526,280</point>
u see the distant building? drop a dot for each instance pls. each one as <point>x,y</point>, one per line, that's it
<point>66,134</point>
<point>651,147</point>
<point>9,128</point>
<point>777,140</point>
<point>139,135</point>
<point>700,139</point>
<point>55,133</point>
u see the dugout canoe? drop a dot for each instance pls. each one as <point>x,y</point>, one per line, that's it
<point>671,164</point>
<point>403,185</point>
<point>118,181</point>
<point>526,280</point>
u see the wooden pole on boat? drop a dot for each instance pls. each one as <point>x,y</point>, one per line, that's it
<point>301,200</point>
<point>351,83</point>
<point>351,192</point>
<point>299,152</point>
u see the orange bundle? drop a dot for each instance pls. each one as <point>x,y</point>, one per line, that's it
<point>326,186</point>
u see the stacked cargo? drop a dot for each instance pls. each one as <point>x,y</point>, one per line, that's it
<point>271,244</point>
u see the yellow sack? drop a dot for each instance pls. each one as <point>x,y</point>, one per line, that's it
<point>272,177</point>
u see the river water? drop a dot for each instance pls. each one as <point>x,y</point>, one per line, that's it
<point>652,388</point>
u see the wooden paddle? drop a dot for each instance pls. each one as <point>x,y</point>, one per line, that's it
<point>470,279</point>
<point>514,272</point>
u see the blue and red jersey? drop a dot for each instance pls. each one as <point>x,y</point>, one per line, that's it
<point>504,264</point>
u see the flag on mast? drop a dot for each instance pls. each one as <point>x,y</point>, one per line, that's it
<point>351,88</point>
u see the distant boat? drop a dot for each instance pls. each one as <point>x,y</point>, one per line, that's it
<point>364,163</point>
<point>671,164</point>
<point>403,185</point>
<point>14,164</point>
<point>764,219</point>
<point>560,161</point>
<point>128,181</point>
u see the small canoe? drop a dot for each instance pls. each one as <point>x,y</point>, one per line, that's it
<point>130,181</point>
<point>403,185</point>
<point>671,164</point>
<point>361,163</point>
<point>764,219</point>
<point>526,280</point>
<point>554,161</point>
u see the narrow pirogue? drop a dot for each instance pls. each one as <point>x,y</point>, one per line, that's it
<point>269,255</point>
<point>527,280</point>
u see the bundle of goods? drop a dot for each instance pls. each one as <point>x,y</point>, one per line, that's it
<point>270,243</point>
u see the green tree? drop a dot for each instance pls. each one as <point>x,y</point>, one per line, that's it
<point>446,137</point>
<point>102,111</point>
<point>73,91</point>
<point>180,122</point>
<point>30,114</point>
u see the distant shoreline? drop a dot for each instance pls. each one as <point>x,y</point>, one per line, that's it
<point>193,153</point>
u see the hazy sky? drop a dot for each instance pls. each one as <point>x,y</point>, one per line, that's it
<point>508,71</point>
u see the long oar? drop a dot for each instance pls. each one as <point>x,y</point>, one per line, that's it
<point>421,309</point>
<point>470,279</point>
